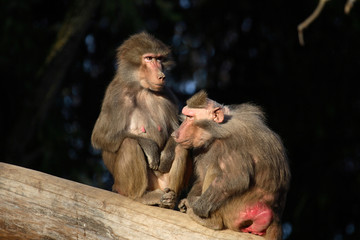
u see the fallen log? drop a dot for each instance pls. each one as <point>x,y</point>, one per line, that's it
<point>35,205</point>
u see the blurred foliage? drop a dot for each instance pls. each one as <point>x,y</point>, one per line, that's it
<point>243,51</point>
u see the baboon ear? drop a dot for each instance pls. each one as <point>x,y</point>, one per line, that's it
<point>218,114</point>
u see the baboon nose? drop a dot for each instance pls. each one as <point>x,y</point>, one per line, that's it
<point>161,76</point>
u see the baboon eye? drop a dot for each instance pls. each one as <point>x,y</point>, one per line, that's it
<point>149,58</point>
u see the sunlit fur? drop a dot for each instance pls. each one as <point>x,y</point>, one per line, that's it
<point>134,126</point>
<point>242,163</point>
<point>130,52</point>
<point>199,100</point>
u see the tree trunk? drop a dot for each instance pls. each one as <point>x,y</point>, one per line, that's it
<point>36,205</point>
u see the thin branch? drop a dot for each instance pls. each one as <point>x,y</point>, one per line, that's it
<point>349,4</point>
<point>309,20</point>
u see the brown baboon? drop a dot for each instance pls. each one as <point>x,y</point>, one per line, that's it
<point>242,173</point>
<point>134,127</point>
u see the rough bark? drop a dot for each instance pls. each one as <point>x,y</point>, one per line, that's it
<point>36,205</point>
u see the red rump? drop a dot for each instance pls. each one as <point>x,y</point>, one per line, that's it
<point>260,217</point>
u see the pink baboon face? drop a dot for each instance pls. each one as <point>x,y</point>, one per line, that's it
<point>189,135</point>
<point>151,72</point>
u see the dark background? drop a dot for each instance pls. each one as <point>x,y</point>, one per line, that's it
<point>57,57</point>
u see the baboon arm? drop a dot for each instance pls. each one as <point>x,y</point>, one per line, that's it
<point>167,155</point>
<point>231,179</point>
<point>109,129</point>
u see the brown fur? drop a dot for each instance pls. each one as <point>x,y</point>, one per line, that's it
<point>239,162</point>
<point>199,100</point>
<point>134,126</point>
